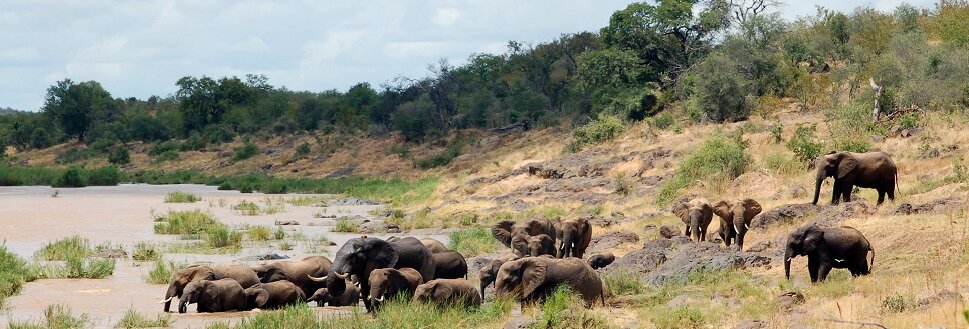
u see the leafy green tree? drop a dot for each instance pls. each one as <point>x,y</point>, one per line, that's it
<point>951,22</point>
<point>73,106</point>
<point>722,92</point>
<point>413,119</point>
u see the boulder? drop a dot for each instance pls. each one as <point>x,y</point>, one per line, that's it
<point>668,231</point>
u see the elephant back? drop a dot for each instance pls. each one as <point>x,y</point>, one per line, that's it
<point>411,253</point>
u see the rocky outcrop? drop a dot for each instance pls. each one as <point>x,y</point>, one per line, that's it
<point>672,260</point>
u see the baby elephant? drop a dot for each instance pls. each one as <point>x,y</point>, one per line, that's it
<point>697,215</point>
<point>448,292</point>
<point>350,297</point>
<point>273,295</point>
<point>489,271</point>
<point>827,248</point>
<point>597,261</point>
<point>449,264</point>
<point>389,282</point>
<point>213,296</point>
<point>533,245</point>
<point>735,217</point>
<point>534,278</point>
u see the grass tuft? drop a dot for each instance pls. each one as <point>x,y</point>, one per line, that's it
<point>181,197</point>
<point>258,232</point>
<point>564,309</point>
<point>346,225</point>
<point>14,272</point>
<point>185,222</point>
<point>55,317</point>
<point>162,271</point>
<point>63,249</point>
<point>473,241</point>
<point>133,319</point>
<point>145,252</point>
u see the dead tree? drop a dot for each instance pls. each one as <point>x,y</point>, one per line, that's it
<point>878,95</point>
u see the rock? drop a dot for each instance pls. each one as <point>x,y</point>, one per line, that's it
<point>760,246</point>
<point>351,201</point>
<point>668,231</point>
<point>342,172</point>
<point>941,296</point>
<point>788,299</point>
<point>751,324</point>
<point>895,130</point>
<point>611,240</point>
<point>934,206</point>
<point>392,228</point>
<point>877,138</point>
<point>263,257</point>
<point>795,191</point>
<point>782,214</point>
<point>111,253</point>
<point>287,222</point>
<point>680,300</point>
<point>672,260</point>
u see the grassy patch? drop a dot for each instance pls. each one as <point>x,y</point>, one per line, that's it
<point>473,241</point>
<point>181,197</point>
<point>162,271</point>
<point>144,251</point>
<point>55,317</point>
<point>133,319</point>
<point>604,128</point>
<point>440,159</point>
<point>719,159</point>
<point>346,225</point>
<point>223,237</point>
<point>621,283</point>
<point>185,222</point>
<point>14,272</point>
<point>564,309</point>
<point>76,267</point>
<point>258,232</point>
<point>247,208</point>
<point>783,164</point>
<point>681,317</point>
<point>59,177</point>
<point>246,151</point>
<point>63,249</point>
<point>306,201</point>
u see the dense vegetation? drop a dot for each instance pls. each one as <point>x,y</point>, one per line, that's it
<point>720,60</point>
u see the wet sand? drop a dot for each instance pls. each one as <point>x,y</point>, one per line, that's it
<point>31,217</point>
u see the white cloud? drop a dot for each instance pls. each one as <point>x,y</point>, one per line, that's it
<point>446,16</point>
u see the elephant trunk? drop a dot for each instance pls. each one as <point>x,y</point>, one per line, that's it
<point>695,227</point>
<point>182,304</point>
<point>788,255</point>
<point>171,293</point>
<point>484,284</point>
<point>817,189</point>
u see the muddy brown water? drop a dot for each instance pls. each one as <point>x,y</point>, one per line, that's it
<point>31,217</point>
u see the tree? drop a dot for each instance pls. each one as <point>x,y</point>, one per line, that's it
<point>73,106</point>
<point>744,10</point>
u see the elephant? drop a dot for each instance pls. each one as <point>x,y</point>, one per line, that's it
<point>735,217</point>
<point>697,215</point>
<point>534,278</point>
<point>350,297</point>
<point>432,245</point>
<point>273,295</point>
<point>360,256</point>
<point>535,245</point>
<point>242,274</point>
<point>449,265</point>
<point>489,271</point>
<point>444,292</point>
<point>574,236</point>
<point>597,261</point>
<point>868,170</point>
<point>390,282</point>
<point>827,248</point>
<point>299,272</point>
<point>505,230</point>
<point>213,296</point>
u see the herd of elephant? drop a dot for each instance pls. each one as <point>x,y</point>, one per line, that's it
<point>544,254</point>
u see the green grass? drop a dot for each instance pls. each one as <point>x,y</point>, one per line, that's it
<point>604,128</point>
<point>76,267</point>
<point>223,237</point>
<point>564,309</point>
<point>622,283</point>
<point>63,249</point>
<point>681,317</point>
<point>247,208</point>
<point>783,164</point>
<point>346,225</point>
<point>719,159</point>
<point>279,233</point>
<point>55,317</point>
<point>306,201</point>
<point>59,177</point>
<point>133,319</point>
<point>14,272</point>
<point>185,222</point>
<point>473,241</point>
<point>246,151</point>
<point>258,232</point>
<point>145,251</point>
<point>181,197</point>
<point>162,271</point>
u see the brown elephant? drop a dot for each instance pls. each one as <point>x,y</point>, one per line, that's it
<point>242,274</point>
<point>867,170</point>
<point>574,236</point>
<point>299,272</point>
<point>697,215</point>
<point>350,297</point>
<point>449,264</point>
<point>735,217</point>
<point>534,278</point>
<point>390,282</point>
<point>505,230</point>
<point>447,292</point>
<point>827,248</point>
<point>597,261</point>
<point>432,245</point>
<point>535,245</point>
<point>273,295</point>
<point>489,272</point>
<point>213,296</point>
<point>360,256</point>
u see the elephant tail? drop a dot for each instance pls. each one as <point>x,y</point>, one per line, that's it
<point>871,265</point>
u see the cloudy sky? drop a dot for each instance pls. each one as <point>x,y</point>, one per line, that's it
<point>140,48</point>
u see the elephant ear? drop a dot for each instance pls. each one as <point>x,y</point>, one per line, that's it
<point>519,244</point>
<point>210,291</point>
<point>502,232</point>
<point>751,209</point>
<point>812,237</point>
<point>442,292</point>
<point>257,297</point>
<point>533,275</point>
<point>585,236</point>
<point>847,164</point>
<point>682,210</point>
<point>722,209</point>
<point>382,254</point>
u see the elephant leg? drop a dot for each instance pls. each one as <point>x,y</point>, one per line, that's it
<point>835,192</point>
<point>891,192</point>
<point>726,240</point>
<point>687,232</point>
<point>813,268</point>
<point>846,192</point>
<point>823,271</point>
<point>881,197</point>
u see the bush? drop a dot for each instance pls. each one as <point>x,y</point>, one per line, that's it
<point>848,144</point>
<point>223,237</point>
<point>473,241</point>
<point>258,232</point>
<point>721,95</point>
<point>247,208</point>
<point>563,309</point>
<point>604,128</point>
<point>119,156</point>
<point>194,142</point>
<point>718,158</point>
<point>186,222</point>
<point>162,271</point>
<point>441,158</point>
<point>164,147</point>
<point>346,225</point>
<point>72,246</point>
<point>619,283</point>
<point>303,149</point>
<point>783,164</point>
<point>167,156</point>
<point>104,176</point>
<point>145,251</point>
<point>246,151</point>
<point>804,144</point>
<point>663,120</point>
<point>76,267</point>
<point>55,317</point>
<point>71,178</point>
<point>13,273</point>
<point>181,197</point>
<point>682,317</point>
<point>133,319</point>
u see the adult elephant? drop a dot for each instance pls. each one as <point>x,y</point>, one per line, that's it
<point>827,248</point>
<point>445,292</point>
<point>433,245</point>
<point>449,265</point>
<point>535,245</point>
<point>597,261</point>
<point>505,230</point>
<point>534,278</point>
<point>360,256</point>
<point>349,297</point>
<point>299,272</point>
<point>390,282</point>
<point>574,236</point>
<point>213,296</point>
<point>489,272</point>
<point>273,295</point>
<point>242,274</point>
<point>735,217</point>
<point>697,215</point>
<point>868,170</point>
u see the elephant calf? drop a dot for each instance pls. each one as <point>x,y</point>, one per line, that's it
<point>242,274</point>
<point>697,215</point>
<point>534,278</point>
<point>574,236</point>
<point>449,264</point>
<point>827,248</point>
<point>597,261</point>
<point>389,282</point>
<point>350,297</point>
<point>489,271</point>
<point>445,292</point>
<point>735,217</point>
<point>533,245</point>
<point>213,296</point>
<point>273,295</point>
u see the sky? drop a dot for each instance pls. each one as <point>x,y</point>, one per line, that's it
<point>140,48</point>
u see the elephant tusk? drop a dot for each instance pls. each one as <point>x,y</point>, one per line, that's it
<point>319,279</point>
<point>746,226</point>
<point>167,300</point>
<point>839,260</point>
<point>380,299</point>
<point>789,259</point>
<point>341,276</point>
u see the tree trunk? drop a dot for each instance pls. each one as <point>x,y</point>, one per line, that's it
<point>876,114</point>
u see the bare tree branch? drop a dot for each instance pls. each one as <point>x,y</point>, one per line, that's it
<point>878,94</point>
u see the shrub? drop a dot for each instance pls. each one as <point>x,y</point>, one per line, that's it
<point>718,158</point>
<point>119,156</point>
<point>346,225</point>
<point>76,267</point>
<point>783,164</point>
<point>247,208</point>
<point>663,120</point>
<point>441,158</point>
<point>162,271</point>
<point>258,232</point>
<point>473,241</point>
<point>194,142</point>
<point>303,149</point>
<point>775,131</point>
<point>246,151</point>
<point>181,197</point>
<point>623,186</point>
<point>895,304</point>
<point>682,317</point>
<point>186,222</point>
<point>145,251</point>
<point>604,128</point>
<point>563,309</point>
<point>279,233</point>
<point>55,317</point>
<point>618,283</point>
<point>223,237</point>
<point>164,147</point>
<point>104,176</point>
<point>13,273</point>
<point>72,246</point>
<point>71,178</point>
<point>847,144</point>
<point>133,319</point>
<point>721,95</point>
<point>804,144</point>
